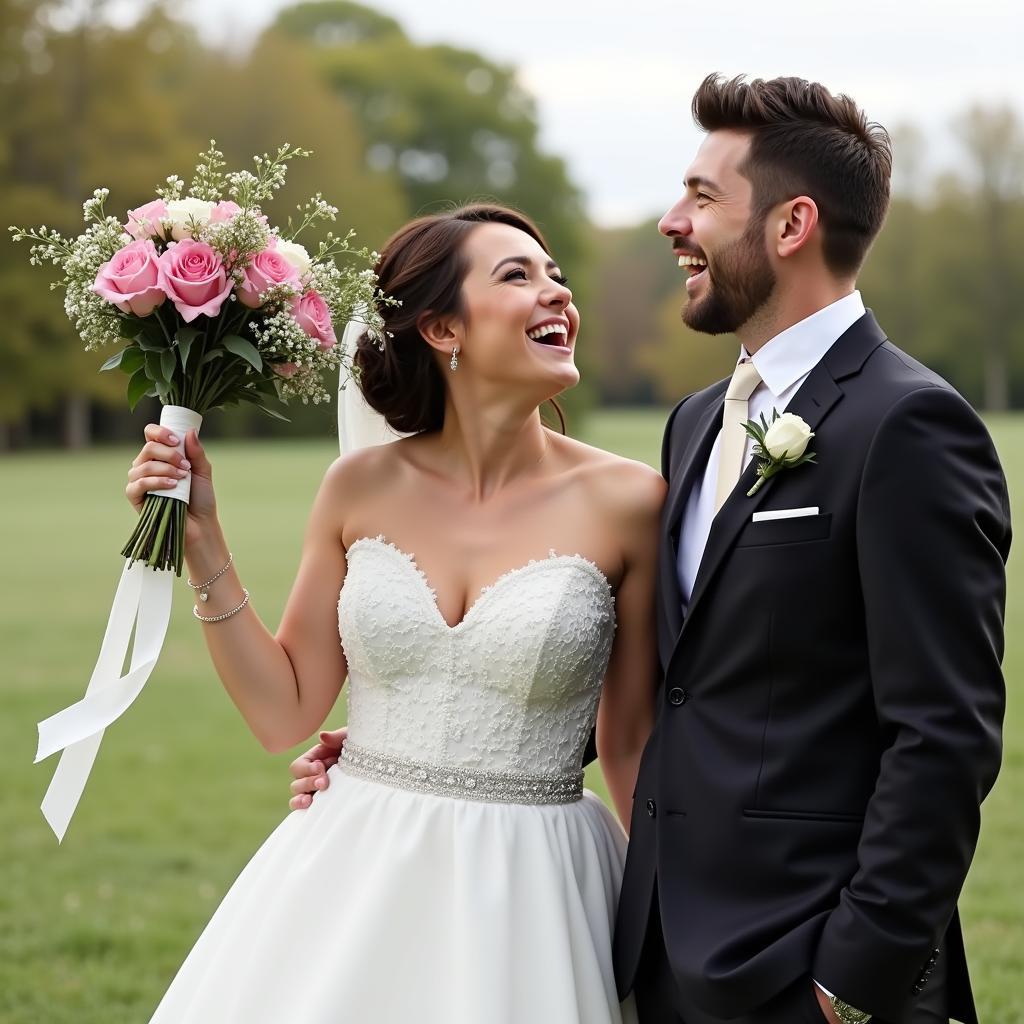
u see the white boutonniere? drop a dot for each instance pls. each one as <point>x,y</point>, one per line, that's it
<point>781,444</point>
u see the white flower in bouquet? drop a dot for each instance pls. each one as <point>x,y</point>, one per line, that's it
<point>295,254</point>
<point>187,216</point>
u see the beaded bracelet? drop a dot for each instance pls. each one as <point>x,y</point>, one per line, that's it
<point>203,588</point>
<point>223,615</point>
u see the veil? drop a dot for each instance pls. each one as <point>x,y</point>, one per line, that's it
<point>359,426</point>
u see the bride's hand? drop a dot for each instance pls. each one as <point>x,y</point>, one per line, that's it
<point>159,466</point>
<point>310,770</point>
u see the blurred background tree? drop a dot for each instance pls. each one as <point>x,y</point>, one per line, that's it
<point>399,128</point>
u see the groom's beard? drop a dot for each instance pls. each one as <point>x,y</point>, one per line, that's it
<point>740,280</point>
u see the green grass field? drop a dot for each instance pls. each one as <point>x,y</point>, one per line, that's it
<point>182,794</point>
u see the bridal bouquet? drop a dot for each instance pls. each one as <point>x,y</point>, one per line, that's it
<point>211,305</point>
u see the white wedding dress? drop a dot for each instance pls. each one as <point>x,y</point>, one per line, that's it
<point>455,871</point>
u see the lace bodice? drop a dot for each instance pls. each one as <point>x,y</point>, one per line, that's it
<point>512,688</point>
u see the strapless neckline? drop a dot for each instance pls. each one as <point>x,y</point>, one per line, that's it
<point>533,565</point>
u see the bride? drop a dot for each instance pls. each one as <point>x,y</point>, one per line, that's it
<point>496,585</point>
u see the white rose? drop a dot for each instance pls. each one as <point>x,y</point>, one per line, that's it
<point>296,255</point>
<point>789,435</point>
<point>182,212</point>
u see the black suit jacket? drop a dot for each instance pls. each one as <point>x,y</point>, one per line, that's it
<point>830,716</point>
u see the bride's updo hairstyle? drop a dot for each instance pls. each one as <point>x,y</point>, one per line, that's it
<point>422,265</point>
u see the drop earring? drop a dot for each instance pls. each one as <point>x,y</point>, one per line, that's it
<point>454,364</point>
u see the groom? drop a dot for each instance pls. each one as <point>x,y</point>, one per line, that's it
<point>829,722</point>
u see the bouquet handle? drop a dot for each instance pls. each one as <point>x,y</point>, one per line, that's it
<point>143,601</point>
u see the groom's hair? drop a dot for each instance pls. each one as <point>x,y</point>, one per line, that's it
<point>806,141</point>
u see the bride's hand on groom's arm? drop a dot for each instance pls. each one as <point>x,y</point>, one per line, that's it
<point>310,769</point>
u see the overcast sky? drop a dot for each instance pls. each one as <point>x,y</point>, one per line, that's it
<point>613,81</point>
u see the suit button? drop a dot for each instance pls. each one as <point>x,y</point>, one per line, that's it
<point>652,808</point>
<point>677,697</point>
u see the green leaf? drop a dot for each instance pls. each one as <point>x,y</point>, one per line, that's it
<point>217,353</point>
<point>152,367</point>
<point>129,327</point>
<point>137,388</point>
<point>147,344</point>
<point>260,402</point>
<point>167,364</point>
<point>163,391</point>
<point>184,337</point>
<point>273,413</point>
<point>265,386</point>
<point>152,334</point>
<point>246,349</point>
<point>114,361</point>
<point>132,359</point>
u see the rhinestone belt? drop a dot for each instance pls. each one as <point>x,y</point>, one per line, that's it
<point>465,783</point>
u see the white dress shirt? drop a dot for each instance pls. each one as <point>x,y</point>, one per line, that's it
<point>783,363</point>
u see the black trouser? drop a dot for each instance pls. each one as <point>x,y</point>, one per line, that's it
<point>658,1002</point>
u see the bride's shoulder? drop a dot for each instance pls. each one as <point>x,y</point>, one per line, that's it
<point>626,487</point>
<point>365,468</point>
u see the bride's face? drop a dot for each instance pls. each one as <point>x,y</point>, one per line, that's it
<point>519,325</point>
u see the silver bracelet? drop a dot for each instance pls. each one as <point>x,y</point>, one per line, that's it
<point>204,588</point>
<point>223,615</point>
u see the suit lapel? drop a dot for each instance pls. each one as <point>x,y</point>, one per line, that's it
<point>813,402</point>
<point>683,475</point>
<point>693,461</point>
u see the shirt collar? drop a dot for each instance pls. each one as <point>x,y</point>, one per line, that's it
<point>788,356</point>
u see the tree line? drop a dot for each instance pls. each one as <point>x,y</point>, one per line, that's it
<point>399,128</point>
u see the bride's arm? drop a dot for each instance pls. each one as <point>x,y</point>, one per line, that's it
<point>625,714</point>
<point>283,684</point>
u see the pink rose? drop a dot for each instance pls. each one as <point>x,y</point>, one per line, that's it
<point>285,370</point>
<point>130,279</point>
<point>268,268</point>
<point>313,316</point>
<point>144,222</point>
<point>224,210</point>
<point>194,278</point>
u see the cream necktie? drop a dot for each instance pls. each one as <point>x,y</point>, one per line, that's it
<point>744,381</point>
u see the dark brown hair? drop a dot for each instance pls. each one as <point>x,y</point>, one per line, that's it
<point>423,266</point>
<point>806,141</point>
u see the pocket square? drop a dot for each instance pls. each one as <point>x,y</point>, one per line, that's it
<point>785,513</point>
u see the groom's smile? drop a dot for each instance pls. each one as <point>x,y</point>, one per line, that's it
<point>695,267</point>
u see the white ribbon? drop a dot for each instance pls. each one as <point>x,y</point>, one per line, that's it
<point>142,600</point>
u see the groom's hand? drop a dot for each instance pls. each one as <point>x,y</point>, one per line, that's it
<point>310,769</point>
<point>826,1006</point>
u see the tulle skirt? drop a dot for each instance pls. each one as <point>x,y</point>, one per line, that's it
<point>385,906</point>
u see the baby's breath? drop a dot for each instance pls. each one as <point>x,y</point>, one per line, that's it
<point>92,209</point>
<point>280,339</point>
<point>248,189</point>
<point>172,189</point>
<point>316,209</point>
<point>209,182</point>
<point>238,240</point>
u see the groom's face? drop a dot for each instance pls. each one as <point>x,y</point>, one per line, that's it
<point>719,242</point>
